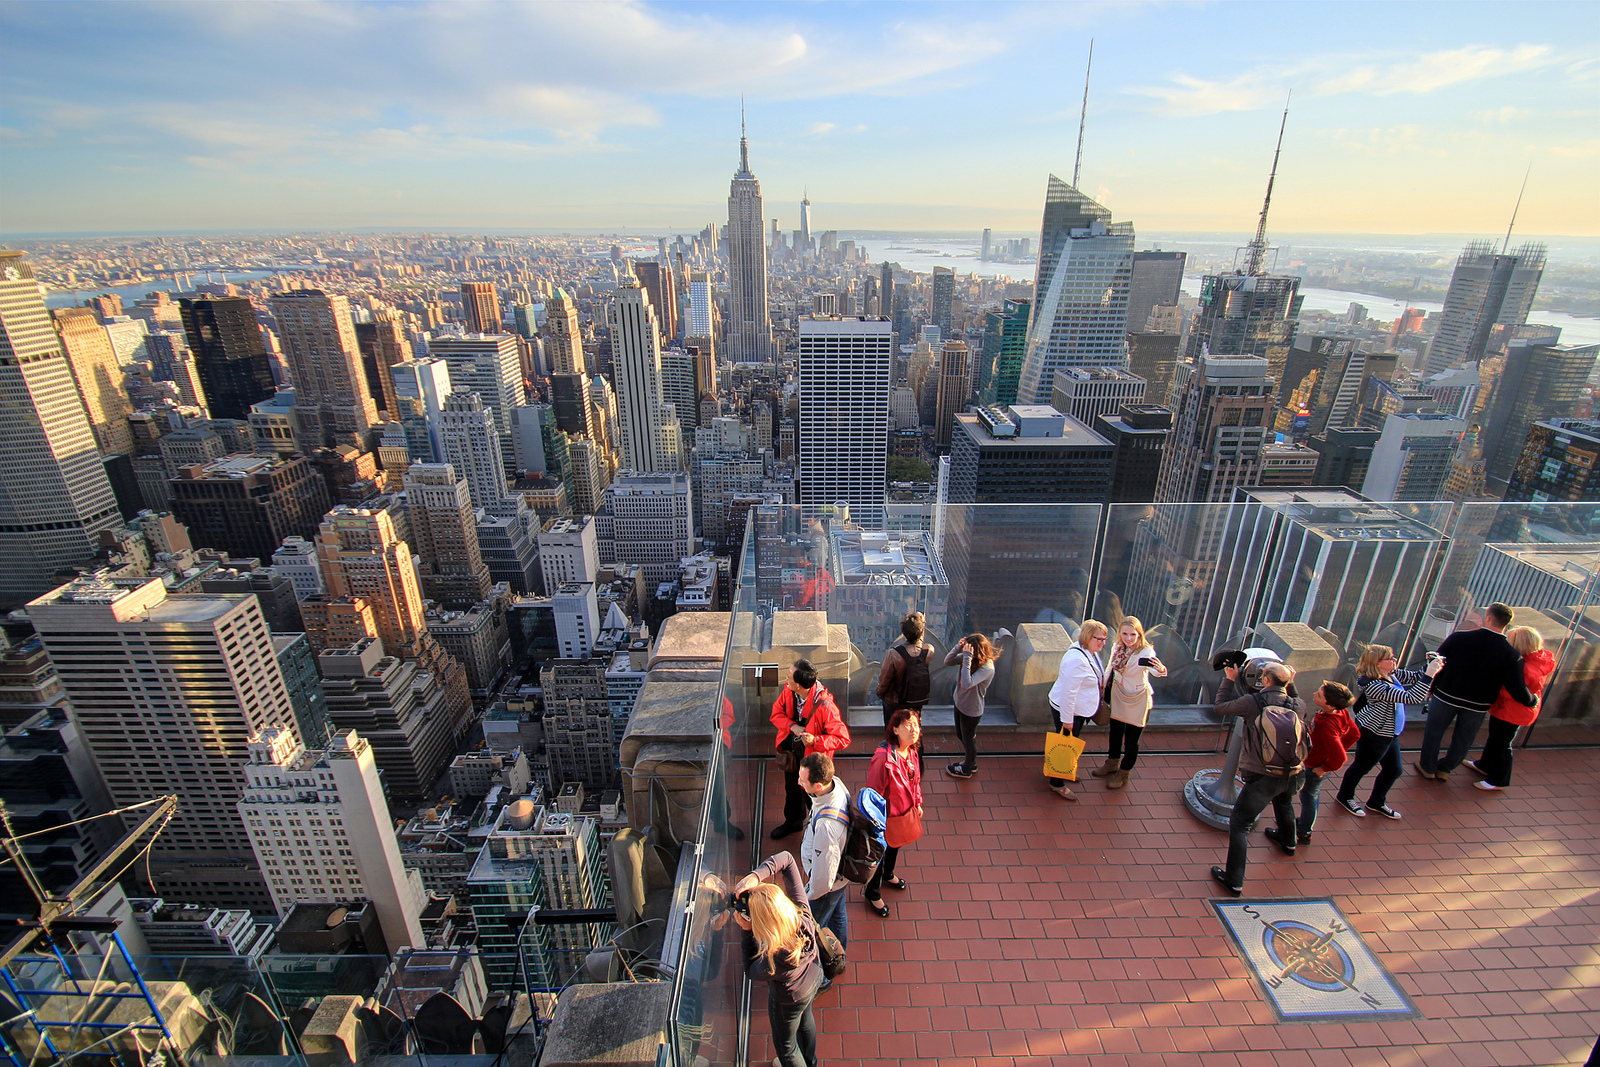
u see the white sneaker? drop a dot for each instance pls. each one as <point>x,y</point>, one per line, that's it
<point>1486,787</point>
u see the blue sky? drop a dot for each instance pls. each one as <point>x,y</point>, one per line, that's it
<point>1407,118</point>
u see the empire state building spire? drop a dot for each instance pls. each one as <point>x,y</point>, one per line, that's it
<point>749,327</point>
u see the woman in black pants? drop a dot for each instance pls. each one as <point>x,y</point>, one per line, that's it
<point>976,656</point>
<point>1385,690</point>
<point>780,948</point>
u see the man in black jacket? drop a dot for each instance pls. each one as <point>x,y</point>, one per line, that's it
<point>1477,665</point>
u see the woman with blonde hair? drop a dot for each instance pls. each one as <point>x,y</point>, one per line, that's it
<point>1384,691</point>
<point>1075,698</point>
<point>976,656</point>
<point>1131,699</point>
<point>780,948</point>
<point>1507,716</point>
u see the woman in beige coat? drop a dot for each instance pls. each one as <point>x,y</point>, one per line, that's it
<point>1131,697</point>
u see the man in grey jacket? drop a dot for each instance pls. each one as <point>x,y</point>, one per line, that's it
<point>823,844</point>
<point>1263,785</point>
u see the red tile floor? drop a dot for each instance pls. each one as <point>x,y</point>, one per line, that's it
<point>1041,932</point>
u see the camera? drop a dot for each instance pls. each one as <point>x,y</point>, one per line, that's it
<point>738,903</point>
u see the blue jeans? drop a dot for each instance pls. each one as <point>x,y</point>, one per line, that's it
<point>1308,803</point>
<point>1440,715</point>
<point>794,1032</point>
<point>829,911</point>
<point>1258,792</point>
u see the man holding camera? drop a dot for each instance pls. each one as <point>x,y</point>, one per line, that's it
<point>1272,762</point>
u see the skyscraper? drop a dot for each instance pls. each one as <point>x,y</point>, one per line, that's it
<point>1005,339</point>
<point>471,443</point>
<point>480,307</point>
<point>563,336</point>
<point>657,282</point>
<point>168,691</point>
<point>700,306</point>
<point>955,389</point>
<point>749,325</point>
<point>1412,457</point>
<point>1486,290</point>
<point>98,374</point>
<point>384,346</point>
<point>246,504</point>
<point>364,561</point>
<point>844,368</point>
<point>636,363</point>
<point>445,536</point>
<point>1538,381</point>
<point>940,296</point>
<point>647,519</point>
<point>332,403</point>
<point>334,798</point>
<point>1219,429</point>
<point>1560,461</point>
<point>54,495</point>
<point>886,292</point>
<point>235,369</point>
<point>421,386</point>
<point>1080,316</point>
<point>489,365</point>
<point>1157,279</point>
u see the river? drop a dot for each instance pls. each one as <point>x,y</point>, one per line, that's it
<point>60,298</point>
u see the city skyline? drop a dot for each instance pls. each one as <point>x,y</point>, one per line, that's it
<point>248,133</point>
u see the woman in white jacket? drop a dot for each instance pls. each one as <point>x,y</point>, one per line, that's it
<point>1131,697</point>
<point>1075,698</point>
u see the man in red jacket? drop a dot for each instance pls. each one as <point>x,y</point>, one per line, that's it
<point>807,721</point>
<point>1333,732</point>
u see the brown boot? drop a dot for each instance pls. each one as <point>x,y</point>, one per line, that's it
<point>1108,768</point>
<point>1119,779</point>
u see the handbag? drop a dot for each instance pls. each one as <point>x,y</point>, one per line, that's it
<point>902,829</point>
<point>789,755</point>
<point>1102,714</point>
<point>830,953</point>
<point>1061,752</point>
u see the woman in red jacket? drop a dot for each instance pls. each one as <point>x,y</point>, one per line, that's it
<point>1333,734</point>
<point>896,773</point>
<point>808,721</point>
<point>1506,716</point>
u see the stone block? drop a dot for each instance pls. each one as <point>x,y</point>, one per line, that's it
<point>669,710</point>
<point>620,1024</point>
<point>668,780</point>
<point>333,1036</point>
<point>1035,663</point>
<point>1313,658</point>
<point>693,635</point>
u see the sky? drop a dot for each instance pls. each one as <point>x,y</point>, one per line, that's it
<point>1406,118</point>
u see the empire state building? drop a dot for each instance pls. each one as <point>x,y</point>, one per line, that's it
<point>749,328</point>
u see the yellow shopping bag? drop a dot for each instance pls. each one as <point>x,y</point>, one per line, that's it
<point>1061,752</point>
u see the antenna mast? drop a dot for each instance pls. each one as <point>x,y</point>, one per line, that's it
<point>1258,247</point>
<point>1083,118</point>
<point>1514,210</point>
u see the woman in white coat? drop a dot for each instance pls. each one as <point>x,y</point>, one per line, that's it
<point>1132,664</point>
<point>1075,698</point>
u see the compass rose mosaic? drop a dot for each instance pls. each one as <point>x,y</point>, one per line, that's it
<point>1311,965</point>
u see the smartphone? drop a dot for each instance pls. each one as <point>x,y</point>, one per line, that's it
<point>1147,661</point>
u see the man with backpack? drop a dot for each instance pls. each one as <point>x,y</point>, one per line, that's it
<point>823,845</point>
<point>905,680</point>
<point>1272,762</point>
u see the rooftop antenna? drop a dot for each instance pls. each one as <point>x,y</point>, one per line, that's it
<point>1258,247</point>
<point>1083,117</point>
<point>744,145</point>
<point>1514,210</point>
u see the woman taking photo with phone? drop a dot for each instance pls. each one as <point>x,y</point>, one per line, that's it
<point>976,656</point>
<point>1131,698</point>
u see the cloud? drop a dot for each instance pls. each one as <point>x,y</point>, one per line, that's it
<point>819,128</point>
<point>1581,150</point>
<point>1503,115</point>
<point>1338,74</point>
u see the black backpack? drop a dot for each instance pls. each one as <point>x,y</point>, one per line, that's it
<point>916,685</point>
<point>863,840</point>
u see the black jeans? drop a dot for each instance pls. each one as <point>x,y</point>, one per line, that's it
<point>794,1032</point>
<point>967,734</point>
<point>1124,743</point>
<point>884,873</point>
<point>1372,750</point>
<point>1077,731</point>
<point>1495,763</point>
<point>796,804</point>
<point>1440,716</point>
<point>1259,791</point>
